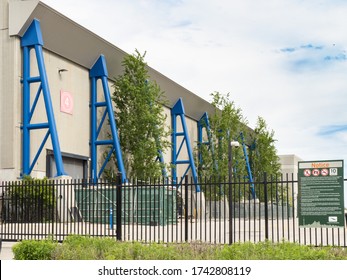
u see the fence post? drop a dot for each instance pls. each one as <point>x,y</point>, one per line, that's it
<point>230,199</point>
<point>186,202</point>
<point>119,207</point>
<point>266,208</point>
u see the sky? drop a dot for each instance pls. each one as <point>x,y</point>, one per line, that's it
<point>283,60</point>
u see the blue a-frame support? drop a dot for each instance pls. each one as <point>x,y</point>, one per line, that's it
<point>204,124</point>
<point>160,158</point>
<point>183,136</point>
<point>99,71</point>
<point>32,40</point>
<point>248,166</point>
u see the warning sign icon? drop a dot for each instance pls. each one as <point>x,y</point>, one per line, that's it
<point>324,172</point>
<point>315,172</point>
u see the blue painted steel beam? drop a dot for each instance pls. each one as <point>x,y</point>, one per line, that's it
<point>204,123</point>
<point>161,160</point>
<point>32,40</point>
<point>249,171</point>
<point>99,72</point>
<point>33,107</point>
<point>178,111</point>
<point>38,125</point>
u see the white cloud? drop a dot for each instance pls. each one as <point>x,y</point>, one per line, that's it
<point>284,60</point>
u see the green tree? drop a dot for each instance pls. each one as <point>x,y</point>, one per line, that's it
<point>226,124</point>
<point>264,159</point>
<point>264,156</point>
<point>140,118</point>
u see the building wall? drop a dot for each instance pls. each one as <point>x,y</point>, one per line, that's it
<point>289,165</point>
<point>10,99</point>
<point>73,128</point>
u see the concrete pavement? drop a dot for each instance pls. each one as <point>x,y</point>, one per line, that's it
<point>6,251</point>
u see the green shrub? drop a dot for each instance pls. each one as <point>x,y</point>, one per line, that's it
<point>77,247</point>
<point>30,200</point>
<point>279,251</point>
<point>35,249</point>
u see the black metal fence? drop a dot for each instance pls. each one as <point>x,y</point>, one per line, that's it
<point>159,211</point>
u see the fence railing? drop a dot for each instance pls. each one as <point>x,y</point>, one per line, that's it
<point>158,211</point>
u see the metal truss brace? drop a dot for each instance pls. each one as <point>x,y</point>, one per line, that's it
<point>32,40</point>
<point>183,137</point>
<point>204,124</point>
<point>99,71</point>
<point>248,166</point>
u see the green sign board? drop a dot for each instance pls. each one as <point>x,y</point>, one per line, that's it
<point>321,199</point>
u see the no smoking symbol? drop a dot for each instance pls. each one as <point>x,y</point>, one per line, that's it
<point>324,172</point>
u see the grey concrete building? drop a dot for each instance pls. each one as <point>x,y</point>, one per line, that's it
<point>289,165</point>
<point>69,52</point>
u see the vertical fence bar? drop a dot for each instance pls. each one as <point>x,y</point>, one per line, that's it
<point>230,212</point>
<point>125,210</point>
<point>288,209</point>
<point>53,203</point>
<point>114,202</point>
<point>293,202</point>
<point>183,209</point>
<point>192,207</point>
<point>266,208</point>
<point>197,212</point>
<point>272,212</point>
<point>119,208</point>
<point>282,206</point>
<point>259,216</point>
<point>186,201</point>
<point>149,200</point>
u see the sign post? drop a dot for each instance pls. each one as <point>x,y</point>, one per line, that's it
<point>321,198</point>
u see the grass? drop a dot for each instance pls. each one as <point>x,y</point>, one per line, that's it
<point>87,248</point>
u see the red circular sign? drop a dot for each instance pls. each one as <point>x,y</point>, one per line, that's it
<point>324,172</point>
<point>315,172</point>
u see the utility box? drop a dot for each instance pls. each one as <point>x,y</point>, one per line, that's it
<point>146,205</point>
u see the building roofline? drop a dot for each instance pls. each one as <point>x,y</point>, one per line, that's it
<point>67,38</point>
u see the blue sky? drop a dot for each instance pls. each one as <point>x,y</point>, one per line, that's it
<point>284,60</point>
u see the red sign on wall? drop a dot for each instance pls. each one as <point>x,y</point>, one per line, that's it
<point>66,102</point>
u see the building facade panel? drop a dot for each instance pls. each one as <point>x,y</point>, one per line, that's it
<point>68,59</point>
<point>10,100</point>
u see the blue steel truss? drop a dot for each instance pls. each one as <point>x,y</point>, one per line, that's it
<point>99,71</point>
<point>160,158</point>
<point>32,40</point>
<point>248,166</point>
<point>204,124</point>
<point>178,111</point>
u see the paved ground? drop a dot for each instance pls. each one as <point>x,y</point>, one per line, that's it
<point>6,251</point>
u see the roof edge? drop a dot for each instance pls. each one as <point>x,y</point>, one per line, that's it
<point>20,15</point>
